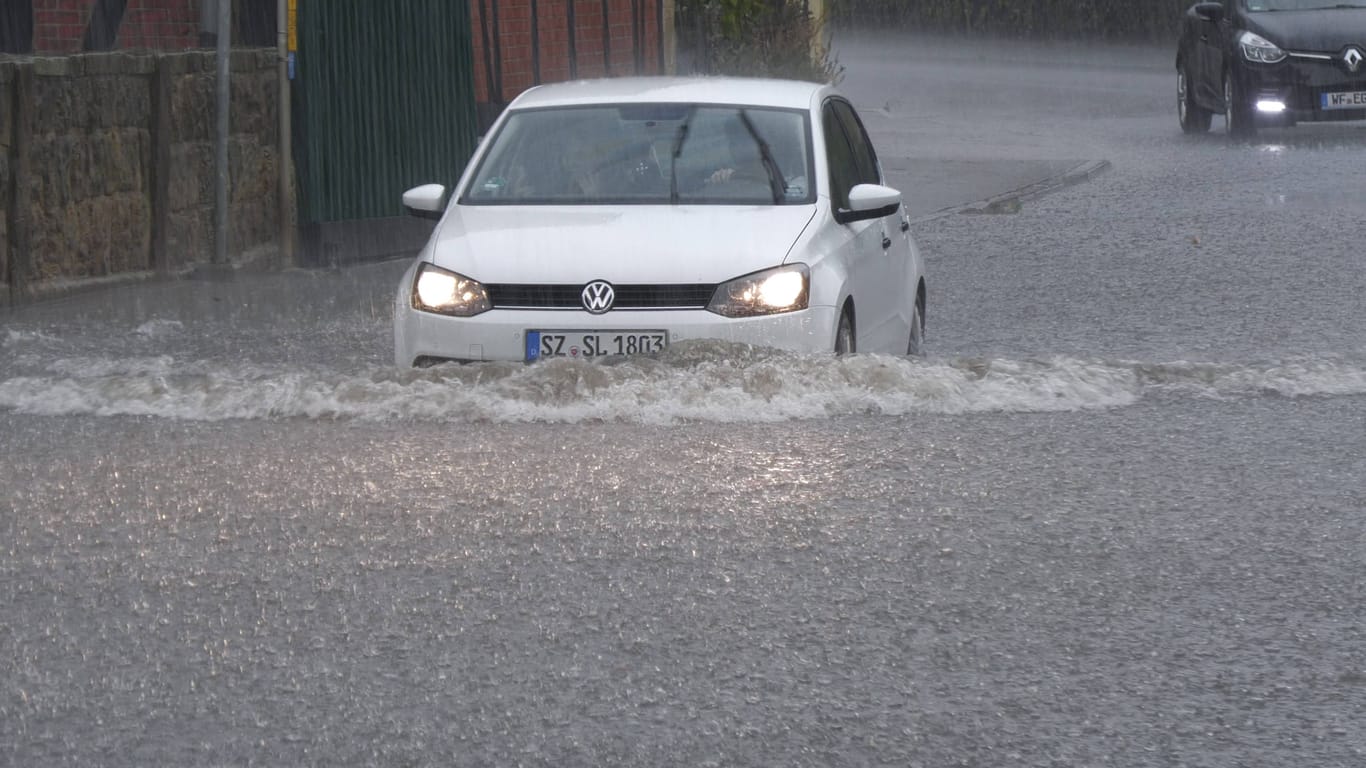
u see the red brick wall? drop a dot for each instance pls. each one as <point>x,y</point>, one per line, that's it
<point>515,41</point>
<point>162,25</point>
<point>59,25</point>
<point>166,25</point>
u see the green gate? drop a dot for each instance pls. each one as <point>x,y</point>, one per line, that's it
<point>383,101</point>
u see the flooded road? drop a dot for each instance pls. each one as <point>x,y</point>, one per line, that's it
<point>1113,519</point>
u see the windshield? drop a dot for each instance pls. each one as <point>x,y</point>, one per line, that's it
<point>647,154</point>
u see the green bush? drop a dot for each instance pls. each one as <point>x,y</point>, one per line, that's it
<point>757,38</point>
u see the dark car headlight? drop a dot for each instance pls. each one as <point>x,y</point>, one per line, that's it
<point>782,289</point>
<point>1258,49</point>
<point>448,293</point>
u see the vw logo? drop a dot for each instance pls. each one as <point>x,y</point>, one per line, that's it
<point>1353,58</point>
<point>598,296</point>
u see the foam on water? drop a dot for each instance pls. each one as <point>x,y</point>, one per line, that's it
<point>694,382</point>
<point>160,328</point>
<point>14,338</point>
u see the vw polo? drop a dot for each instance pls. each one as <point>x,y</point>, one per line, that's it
<point>622,216</point>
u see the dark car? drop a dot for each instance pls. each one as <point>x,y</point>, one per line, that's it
<point>1271,62</point>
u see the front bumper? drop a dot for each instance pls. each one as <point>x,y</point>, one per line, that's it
<point>1300,82</point>
<point>500,334</point>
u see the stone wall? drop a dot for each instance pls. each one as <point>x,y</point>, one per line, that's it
<point>88,182</point>
<point>253,156</point>
<point>108,169</point>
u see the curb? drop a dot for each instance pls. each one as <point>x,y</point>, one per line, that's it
<point>249,262</point>
<point>1012,201</point>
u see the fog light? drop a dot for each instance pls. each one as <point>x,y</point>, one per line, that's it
<point>1270,106</point>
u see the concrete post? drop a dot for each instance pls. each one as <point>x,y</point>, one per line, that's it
<point>161,163</point>
<point>21,138</point>
<point>286,42</point>
<point>670,41</point>
<point>819,36</point>
<point>220,251</point>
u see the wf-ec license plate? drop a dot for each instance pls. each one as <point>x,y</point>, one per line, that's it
<point>1344,100</point>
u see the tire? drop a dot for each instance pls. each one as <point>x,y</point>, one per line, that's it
<point>845,343</point>
<point>915,347</point>
<point>1237,117</point>
<point>1194,118</point>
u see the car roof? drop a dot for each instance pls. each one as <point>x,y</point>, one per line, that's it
<point>758,92</point>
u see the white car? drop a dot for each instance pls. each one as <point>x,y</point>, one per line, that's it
<point>621,216</point>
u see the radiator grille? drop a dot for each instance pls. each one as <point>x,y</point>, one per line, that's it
<point>530,296</point>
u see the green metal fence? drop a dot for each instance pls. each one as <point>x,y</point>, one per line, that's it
<point>383,101</point>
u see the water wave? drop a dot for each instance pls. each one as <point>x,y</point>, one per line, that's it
<point>15,338</point>
<point>694,382</point>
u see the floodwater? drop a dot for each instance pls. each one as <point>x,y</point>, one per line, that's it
<point>1115,517</point>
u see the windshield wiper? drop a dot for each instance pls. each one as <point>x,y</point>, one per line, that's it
<point>776,182</point>
<point>679,137</point>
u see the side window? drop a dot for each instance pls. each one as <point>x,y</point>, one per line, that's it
<point>864,155</point>
<point>839,156</point>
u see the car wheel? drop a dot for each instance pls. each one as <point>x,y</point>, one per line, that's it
<point>844,335</point>
<point>916,346</point>
<point>1194,118</point>
<point>1237,117</point>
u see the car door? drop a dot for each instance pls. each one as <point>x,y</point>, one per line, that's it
<point>859,248</point>
<point>884,318</point>
<point>1210,47</point>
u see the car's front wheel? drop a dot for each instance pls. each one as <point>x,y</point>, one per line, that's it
<point>1237,115</point>
<point>916,346</point>
<point>844,334</point>
<point>1194,118</point>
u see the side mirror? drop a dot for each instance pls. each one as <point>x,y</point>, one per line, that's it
<point>1209,11</point>
<point>869,201</point>
<point>427,201</point>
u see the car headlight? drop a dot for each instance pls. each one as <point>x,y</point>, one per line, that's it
<point>439,290</point>
<point>1259,49</point>
<point>784,289</point>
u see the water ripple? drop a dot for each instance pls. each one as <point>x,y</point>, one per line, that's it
<point>707,381</point>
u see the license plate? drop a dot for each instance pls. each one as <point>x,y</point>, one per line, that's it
<point>1344,100</point>
<point>590,344</point>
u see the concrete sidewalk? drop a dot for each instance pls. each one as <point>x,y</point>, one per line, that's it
<point>987,124</point>
<point>933,187</point>
<point>940,166</point>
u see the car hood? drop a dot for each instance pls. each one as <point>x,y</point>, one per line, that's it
<point>1325,31</point>
<point>620,244</point>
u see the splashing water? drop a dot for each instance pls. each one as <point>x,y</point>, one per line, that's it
<point>695,381</point>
